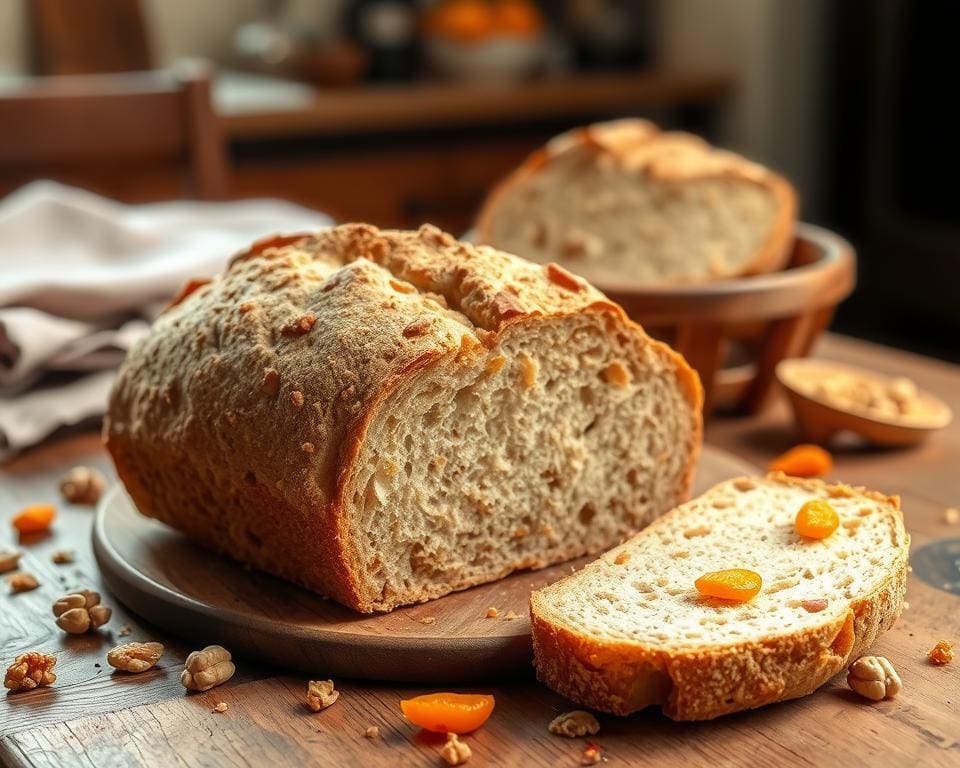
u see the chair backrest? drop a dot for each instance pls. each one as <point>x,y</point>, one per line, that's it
<point>108,121</point>
<point>87,37</point>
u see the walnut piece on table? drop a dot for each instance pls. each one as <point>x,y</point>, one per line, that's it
<point>63,557</point>
<point>454,751</point>
<point>9,559</point>
<point>81,612</point>
<point>207,668</point>
<point>321,694</point>
<point>30,670</point>
<point>82,485</point>
<point>575,724</point>
<point>134,657</point>
<point>874,678</point>
<point>942,653</point>
<point>21,581</point>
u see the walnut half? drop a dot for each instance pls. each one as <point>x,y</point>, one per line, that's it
<point>575,724</point>
<point>82,485</point>
<point>321,694</point>
<point>80,612</point>
<point>454,751</point>
<point>134,657</point>
<point>207,668</point>
<point>874,678</point>
<point>30,670</point>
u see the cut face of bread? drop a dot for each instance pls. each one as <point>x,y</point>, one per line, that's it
<point>623,204</point>
<point>630,630</point>
<point>385,417</point>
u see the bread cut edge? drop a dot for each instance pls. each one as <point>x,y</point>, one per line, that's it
<point>687,378</point>
<point>772,255</point>
<point>622,678</point>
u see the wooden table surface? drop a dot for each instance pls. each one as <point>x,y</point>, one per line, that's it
<point>92,717</point>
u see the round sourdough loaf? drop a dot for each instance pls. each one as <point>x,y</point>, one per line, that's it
<point>624,204</point>
<point>385,417</point>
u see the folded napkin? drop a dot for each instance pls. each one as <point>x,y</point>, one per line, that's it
<point>82,277</point>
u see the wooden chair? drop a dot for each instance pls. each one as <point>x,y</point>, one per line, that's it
<point>115,132</point>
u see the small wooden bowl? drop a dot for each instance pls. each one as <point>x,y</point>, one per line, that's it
<point>735,332</point>
<point>818,419</point>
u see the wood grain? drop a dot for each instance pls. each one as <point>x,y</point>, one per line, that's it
<point>93,719</point>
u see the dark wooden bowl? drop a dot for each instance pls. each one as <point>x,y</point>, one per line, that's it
<point>735,332</point>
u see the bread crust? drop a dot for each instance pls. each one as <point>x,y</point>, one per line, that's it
<point>707,682</point>
<point>641,143</point>
<point>223,425</point>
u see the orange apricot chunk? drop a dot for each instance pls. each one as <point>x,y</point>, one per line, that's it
<point>804,460</point>
<point>817,520</point>
<point>737,584</point>
<point>448,712</point>
<point>35,518</point>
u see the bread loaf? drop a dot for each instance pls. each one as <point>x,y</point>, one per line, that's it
<point>385,417</point>
<point>630,630</point>
<point>623,204</point>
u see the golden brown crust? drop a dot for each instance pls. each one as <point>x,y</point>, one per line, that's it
<point>622,677</point>
<point>256,391</point>
<point>673,156</point>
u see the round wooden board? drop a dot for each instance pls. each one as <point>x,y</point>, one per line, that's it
<point>208,598</point>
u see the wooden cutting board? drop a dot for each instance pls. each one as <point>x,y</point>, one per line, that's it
<point>199,595</point>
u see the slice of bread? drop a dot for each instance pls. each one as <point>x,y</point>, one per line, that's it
<point>630,630</point>
<point>624,204</point>
<point>385,417</point>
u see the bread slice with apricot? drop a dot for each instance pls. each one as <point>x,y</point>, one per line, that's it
<point>631,629</point>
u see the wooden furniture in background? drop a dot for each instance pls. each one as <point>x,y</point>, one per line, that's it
<point>767,317</point>
<point>87,37</point>
<point>96,717</point>
<point>111,132</point>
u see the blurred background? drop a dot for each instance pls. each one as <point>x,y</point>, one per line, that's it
<point>399,112</point>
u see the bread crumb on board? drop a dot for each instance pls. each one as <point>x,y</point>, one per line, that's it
<point>491,613</point>
<point>428,620</point>
<point>592,754</point>
<point>951,516</point>
<point>511,615</point>
<point>372,732</point>
<point>220,707</point>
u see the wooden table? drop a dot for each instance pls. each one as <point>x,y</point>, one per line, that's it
<point>94,718</point>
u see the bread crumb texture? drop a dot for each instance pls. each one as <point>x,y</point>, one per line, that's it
<point>375,415</point>
<point>627,632</point>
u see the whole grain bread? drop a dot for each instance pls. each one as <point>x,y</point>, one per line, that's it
<point>624,204</point>
<point>385,417</point>
<point>630,630</point>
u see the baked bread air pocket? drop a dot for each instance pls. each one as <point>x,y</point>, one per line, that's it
<point>385,417</point>
<point>635,629</point>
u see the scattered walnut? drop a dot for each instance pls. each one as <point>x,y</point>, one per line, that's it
<point>63,557</point>
<point>951,516</point>
<point>22,581</point>
<point>372,732</point>
<point>296,397</point>
<point>428,620</point>
<point>321,694</point>
<point>9,559</point>
<point>207,668</point>
<point>82,485</point>
<point>813,606</point>
<point>491,613</point>
<point>30,670</point>
<point>123,631</point>
<point>511,616</point>
<point>300,325</point>
<point>592,755</point>
<point>455,752</point>
<point>220,707</point>
<point>575,724</point>
<point>81,611</point>
<point>874,678</point>
<point>134,657</point>
<point>617,374</point>
<point>941,653</point>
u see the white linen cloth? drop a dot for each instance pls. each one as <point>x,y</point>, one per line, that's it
<point>81,277</point>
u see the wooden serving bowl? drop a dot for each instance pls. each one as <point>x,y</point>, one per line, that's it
<point>818,419</point>
<point>736,331</point>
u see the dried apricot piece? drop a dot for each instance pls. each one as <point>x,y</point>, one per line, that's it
<point>733,584</point>
<point>35,518</point>
<point>816,520</point>
<point>804,460</point>
<point>448,712</point>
